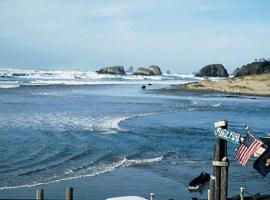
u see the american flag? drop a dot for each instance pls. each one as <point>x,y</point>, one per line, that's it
<point>247,148</point>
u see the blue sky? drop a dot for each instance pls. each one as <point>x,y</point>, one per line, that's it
<point>178,35</point>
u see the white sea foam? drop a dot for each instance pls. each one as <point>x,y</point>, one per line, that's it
<point>143,161</point>
<point>124,162</point>
<point>216,104</point>
<point>194,162</point>
<point>64,121</point>
<point>111,124</point>
<point>43,78</point>
<point>9,84</point>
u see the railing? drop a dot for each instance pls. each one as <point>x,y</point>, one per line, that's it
<point>69,194</point>
<point>40,194</point>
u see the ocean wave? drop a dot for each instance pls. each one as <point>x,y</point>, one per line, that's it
<point>112,124</point>
<point>62,122</point>
<point>194,162</point>
<point>9,84</point>
<point>19,78</point>
<point>124,162</point>
<point>216,105</point>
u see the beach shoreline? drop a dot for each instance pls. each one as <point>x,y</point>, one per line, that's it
<point>255,85</point>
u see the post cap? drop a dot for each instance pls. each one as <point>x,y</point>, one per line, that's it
<point>222,123</point>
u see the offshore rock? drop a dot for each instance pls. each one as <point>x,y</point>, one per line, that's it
<point>213,70</point>
<point>149,71</point>
<point>112,70</point>
<point>156,69</point>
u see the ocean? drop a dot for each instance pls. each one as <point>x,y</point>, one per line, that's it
<point>106,136</point>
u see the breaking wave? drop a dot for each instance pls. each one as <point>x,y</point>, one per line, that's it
<point>12,78</point>
<point>95,171</point>
<point>64,122</point>
<point>216,105</point>
<point>194,162</point>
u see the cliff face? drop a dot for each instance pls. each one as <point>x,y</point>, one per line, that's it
<point>213,70</point>
<point>255,68</point>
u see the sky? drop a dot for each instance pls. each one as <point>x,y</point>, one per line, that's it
<point>177,35</point>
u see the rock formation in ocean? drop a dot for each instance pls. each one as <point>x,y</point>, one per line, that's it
<point>213,70</point>
<point>130,69</point>
<point>149,71</point>
<point>156,69</point>
<point>112,70</point>
<point>255,68</point>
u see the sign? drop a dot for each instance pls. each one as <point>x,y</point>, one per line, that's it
<point>228,135</point>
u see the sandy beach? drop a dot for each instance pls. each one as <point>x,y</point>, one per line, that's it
<point>248,85</point>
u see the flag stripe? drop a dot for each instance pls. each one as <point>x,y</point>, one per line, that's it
<point>241,148</point>
<point>249,152</point>
<point>247,148</point>
<point>239,153</point>
<point>255,145</point>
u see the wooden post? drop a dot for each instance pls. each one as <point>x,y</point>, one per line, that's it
<point>208,194</point>
<point>40,194</point>
<point>69,193</point>
<point>152,196</point>
<point>212,187</point>
<point>224,179</point>
<point>242,190</point>
<point>220,151</point>
<point>216,170</point>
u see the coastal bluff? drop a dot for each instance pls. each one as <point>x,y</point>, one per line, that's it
<point>254,68</point>
<point>112,70</point>
<point>213,70</point>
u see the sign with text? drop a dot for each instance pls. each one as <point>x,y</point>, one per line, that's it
<point>228,135</point>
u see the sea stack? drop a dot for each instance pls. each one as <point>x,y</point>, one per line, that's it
<point>149,71</point>
<point>112,70</point>
<point>130,69</point>
<point>213,70</point>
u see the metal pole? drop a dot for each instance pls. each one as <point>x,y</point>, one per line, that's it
<point>212,187</point>
<point>209,194</point>
<point>39,194</point>
<point>152,196</point>
<point>69,193</point>
<point>242,191</point>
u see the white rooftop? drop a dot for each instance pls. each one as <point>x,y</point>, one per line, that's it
<point>127,198</point>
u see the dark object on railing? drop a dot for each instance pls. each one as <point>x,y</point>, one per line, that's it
<point>197,183</point>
